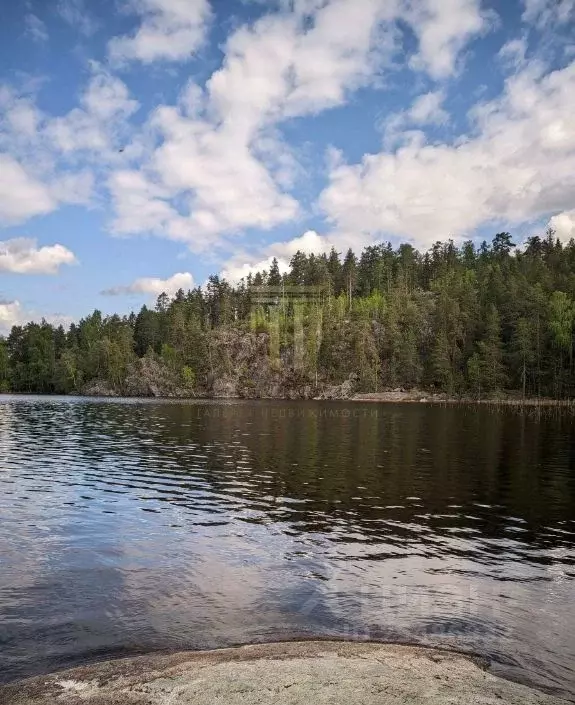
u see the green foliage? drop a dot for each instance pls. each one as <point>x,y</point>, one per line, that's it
<point>474,374</point>
<point>562,314</point>
<point>492,371</point>
<point>471,320</point>
<point>4,367</point>
<point>188,377</point>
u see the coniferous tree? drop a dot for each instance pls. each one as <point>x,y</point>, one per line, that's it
<point>480,321</point>
<point>274,277</point>
<point>493,377</point>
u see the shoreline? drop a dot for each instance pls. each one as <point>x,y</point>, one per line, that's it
<point>393,397</point>
<point>293,672</point>
<point>422,398</point>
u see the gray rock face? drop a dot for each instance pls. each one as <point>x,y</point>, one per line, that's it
<point>99,388</point>
<point>293,673</point>
<point>225,388</point>
<point>149,377</point>
<point>341,391</point>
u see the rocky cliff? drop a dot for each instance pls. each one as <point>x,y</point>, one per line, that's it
<point>238,366</point>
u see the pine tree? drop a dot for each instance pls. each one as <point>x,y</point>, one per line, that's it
<point>334,269</point>
<point>482,320</point>
<point>274,277</point>
<point>349,275</point>
<point>492,370</point>
<point>4,367</point>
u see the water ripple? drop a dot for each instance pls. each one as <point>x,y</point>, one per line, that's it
<point>133,525</point>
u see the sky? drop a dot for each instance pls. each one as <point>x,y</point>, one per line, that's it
<point>146,144</point>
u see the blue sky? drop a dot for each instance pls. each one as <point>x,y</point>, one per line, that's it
<point>145,144</point>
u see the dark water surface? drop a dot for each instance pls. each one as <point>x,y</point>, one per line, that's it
<point>129,526</point>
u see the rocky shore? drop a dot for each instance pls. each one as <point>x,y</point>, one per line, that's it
<point>318,672</point>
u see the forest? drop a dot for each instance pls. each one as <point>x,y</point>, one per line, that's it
<point>468,321</point>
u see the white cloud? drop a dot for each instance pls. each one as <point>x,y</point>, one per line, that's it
<point>238,268</point>
<point>76,188</point>
<point>23,118</point>
<point>224,186</point>
<point>427,110</point>
<point>349,43</point>
<point>294,64</point>
<point>516,167</point>
<point>404,127</point>
<point>19,120</point>
<point>106,104</point>
<point>564,225</point>
<point>513,52</point>
<point>98,125</point>
<point>220,166</point>
<point>139,204</point>
<point>22,196</point>
<point>35,28</point>
<point>215,163</point>
<point>154,285</point>
<point>171,30</point>
<point>23,256</point>
<point>310,243</point>
<point>39,155</point>
<point>76,14</point>
<point>443,28</point>
<point>241,265</point>
<point>13,313</point>
<point>546,13</point>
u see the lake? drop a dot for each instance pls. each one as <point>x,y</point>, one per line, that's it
<point>129,526</point>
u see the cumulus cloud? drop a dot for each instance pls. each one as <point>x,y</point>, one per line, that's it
<point>170,30</point>
<point>219,167</point>
<point>443,28</point>
<point>310,243</point>
<point>405,127</point>
<point>513,52</point>
<point>39,154</point>
<point>240,267</point>
<point>22,196</point>
<point>243,264</point>
<point>75,188</point>
<point>139,203</point>
<point>23,256</point>
<point>20,121</point>
<point>97,126</point>
<point>564,225</point>
<point>516,166</point>
<point>154,285</point>
<point>105,105</point>
<point>427,110</point>
<point>13,313</point>
<point>215,163</point>
<point>22,117</point>
<point>35,28</point>
<point>10,315</point>
<point>546,13</point>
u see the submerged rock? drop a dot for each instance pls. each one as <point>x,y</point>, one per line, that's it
<point>291,673</point>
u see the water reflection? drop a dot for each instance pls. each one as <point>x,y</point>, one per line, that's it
<point>129,526</point>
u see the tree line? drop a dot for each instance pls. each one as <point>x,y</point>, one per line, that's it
<point>464,320</point>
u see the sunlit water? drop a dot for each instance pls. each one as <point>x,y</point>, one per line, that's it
<point>130,526</point>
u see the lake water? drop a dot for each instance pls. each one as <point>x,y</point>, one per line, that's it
<point>130,526</point>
